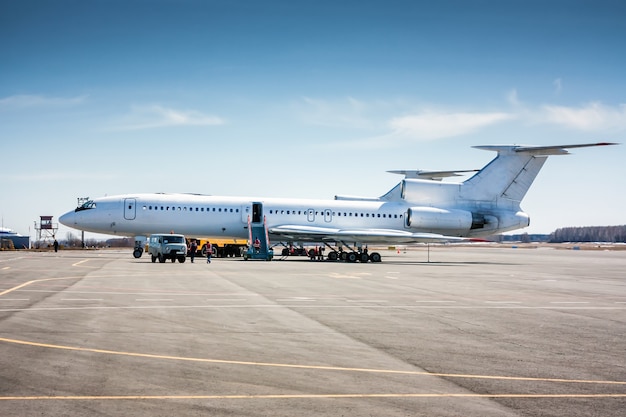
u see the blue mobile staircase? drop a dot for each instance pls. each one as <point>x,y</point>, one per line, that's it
<point>258,231</point>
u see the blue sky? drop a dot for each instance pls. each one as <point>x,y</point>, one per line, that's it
<point>306,99</point>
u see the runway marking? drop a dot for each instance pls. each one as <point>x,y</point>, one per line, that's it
<point>357,275</point>
<point>82,299</point>
<point>84,260</point>
<point>569,302</point>
<point>33,282</point>
<point>352,305</point>
<point>300,366</point>
<point>296,299</point>
<point>503,302</point>
<point>299,396</point>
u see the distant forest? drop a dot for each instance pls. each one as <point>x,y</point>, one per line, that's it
<point>589,234</point>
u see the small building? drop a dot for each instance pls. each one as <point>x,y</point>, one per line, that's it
<point>9,239</point>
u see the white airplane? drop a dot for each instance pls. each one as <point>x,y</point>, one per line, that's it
<point>415,210</point>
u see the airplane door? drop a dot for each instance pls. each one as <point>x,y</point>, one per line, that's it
<point>328,215</point>
<point>130,209</point>
<point>257,212</point>
<point>310,215</point>
<point>246,211</point>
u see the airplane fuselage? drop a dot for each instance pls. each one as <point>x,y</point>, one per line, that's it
<point>228,217</point>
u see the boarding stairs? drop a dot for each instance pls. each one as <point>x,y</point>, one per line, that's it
<point>258,231</point>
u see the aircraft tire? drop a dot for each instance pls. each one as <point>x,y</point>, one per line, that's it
<point>375,257</point>
<point>343,256</point>
<point>137,253</point>
<point>352,257</point>
<point>363,257</point>
<point>333,255</point>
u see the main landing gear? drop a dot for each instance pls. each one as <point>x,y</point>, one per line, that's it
<point>358,254</point>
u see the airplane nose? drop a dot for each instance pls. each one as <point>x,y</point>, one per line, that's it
<point>68,219</point>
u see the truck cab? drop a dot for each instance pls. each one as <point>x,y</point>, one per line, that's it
<point>167,246</point>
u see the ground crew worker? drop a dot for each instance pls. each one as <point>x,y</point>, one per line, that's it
<point>257,245</point>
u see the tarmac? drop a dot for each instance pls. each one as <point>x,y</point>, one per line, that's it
<point>438,331</point>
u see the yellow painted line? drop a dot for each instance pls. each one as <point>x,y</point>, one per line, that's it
<point>83,266</point>
<point>299,396</point>
<point>297,366</point>
<point>33,282</point>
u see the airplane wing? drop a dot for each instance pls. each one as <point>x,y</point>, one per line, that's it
<point>329,234</point>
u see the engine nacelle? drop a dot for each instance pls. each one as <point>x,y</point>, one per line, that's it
<point>432,219</point>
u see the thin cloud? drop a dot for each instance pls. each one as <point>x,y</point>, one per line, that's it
<point>57,176</point>
<point>26,101</point>
<point>155,116</point>
<point>591,117</point>
<point>348,112</point>
<point>512,98</point>
<point>558,85</point>
<point>431,125</point>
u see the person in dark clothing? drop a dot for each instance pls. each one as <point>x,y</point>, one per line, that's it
<point>193,247</point>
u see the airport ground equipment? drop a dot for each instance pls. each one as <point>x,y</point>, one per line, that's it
<point>167,246</point>
<point>258,233</point>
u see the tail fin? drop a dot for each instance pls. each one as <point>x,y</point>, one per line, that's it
<point>511,173</point>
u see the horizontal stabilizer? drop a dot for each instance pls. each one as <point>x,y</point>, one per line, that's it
<point>540,150</point>
<point>430,175</point>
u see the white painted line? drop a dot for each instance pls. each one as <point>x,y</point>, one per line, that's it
<point>434,301</point>
<point>317,306</point>
<point>153,299</point>
<point>569,302</point>
<point>503,302</point>
<point>82,299</point>
<point>14,299</point>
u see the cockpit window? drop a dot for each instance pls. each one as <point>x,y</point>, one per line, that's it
<point>87,205</point>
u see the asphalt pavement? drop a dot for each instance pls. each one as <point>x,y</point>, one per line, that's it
<point>439,331</point>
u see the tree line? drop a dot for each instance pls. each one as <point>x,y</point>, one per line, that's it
<point>612,234</point>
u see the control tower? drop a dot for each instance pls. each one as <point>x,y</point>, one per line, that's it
<point>46,230</point>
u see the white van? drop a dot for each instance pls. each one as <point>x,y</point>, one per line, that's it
<point>167,246</point>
